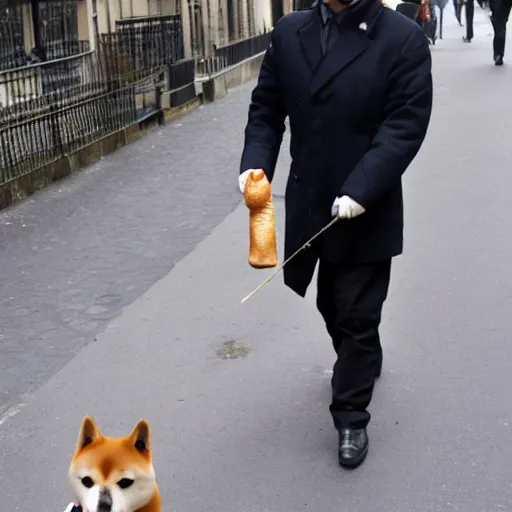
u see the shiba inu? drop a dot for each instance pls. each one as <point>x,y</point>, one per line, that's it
<point>114,474</point>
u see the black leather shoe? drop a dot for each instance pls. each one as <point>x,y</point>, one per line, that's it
<point>498,60</point>
<point>353,447</point>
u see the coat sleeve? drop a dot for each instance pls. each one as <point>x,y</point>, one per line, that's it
<point>266,123</point>
<point>406,119</point>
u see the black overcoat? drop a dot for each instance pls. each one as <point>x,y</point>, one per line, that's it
<point>357,118</point>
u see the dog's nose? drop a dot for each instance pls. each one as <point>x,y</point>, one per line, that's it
<point>104,506</point>
<point>105,501</point>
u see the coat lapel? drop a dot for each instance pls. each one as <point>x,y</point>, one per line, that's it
<point>351,43</point>
<point>355,38</point>
<point>309,36</point>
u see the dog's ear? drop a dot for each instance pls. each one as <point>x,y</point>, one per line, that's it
<point>89,433</point>
<point>141,438</point>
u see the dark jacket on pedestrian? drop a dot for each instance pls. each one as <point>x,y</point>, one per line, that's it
<point>358,117</point>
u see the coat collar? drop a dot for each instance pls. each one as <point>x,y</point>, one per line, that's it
<point>356,28</point>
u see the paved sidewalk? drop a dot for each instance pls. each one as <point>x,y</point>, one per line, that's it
<point>75,254</point>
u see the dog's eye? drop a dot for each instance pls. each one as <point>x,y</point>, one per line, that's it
<point>124,483</point>
<point>87,482</point>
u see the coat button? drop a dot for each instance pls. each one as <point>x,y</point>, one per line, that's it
<point>317,124</point>
<point>299,103</point>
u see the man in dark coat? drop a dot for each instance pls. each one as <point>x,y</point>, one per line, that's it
<point>354,78</point>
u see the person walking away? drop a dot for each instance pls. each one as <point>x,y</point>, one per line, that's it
<point>355,80</point>
<point>469,7</point>
<point>500,12</point>
<point>457,6</point>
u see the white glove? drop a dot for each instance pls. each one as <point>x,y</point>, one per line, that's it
<point>242,179</point>
<point>346,208</point>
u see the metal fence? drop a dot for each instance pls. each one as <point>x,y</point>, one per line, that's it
<point>50,109</point>
<point>54,28</point>
<point>26,88</point>
<point>62,96</point>
<point>61,129</point>
<point>12,42</point>
<point>233,53</point>
<point>57,28</point>
<point>150,41</point>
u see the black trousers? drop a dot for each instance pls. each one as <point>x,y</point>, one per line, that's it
<point>470,13</point>
<point>350,299</point>
<point>457,5</point>
<point>500,10</point>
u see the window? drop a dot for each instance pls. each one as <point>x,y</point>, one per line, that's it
<point>58,22</point>
<point>12,43</point>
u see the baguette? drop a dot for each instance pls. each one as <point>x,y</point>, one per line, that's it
<point>262,224</point>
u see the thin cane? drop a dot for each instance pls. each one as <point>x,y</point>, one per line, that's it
<point>307,244</point>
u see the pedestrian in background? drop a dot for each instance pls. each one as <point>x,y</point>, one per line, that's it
<point>469,7</point>
<point>457,7</point>
<point>500,12</point>
<point>354,78</point>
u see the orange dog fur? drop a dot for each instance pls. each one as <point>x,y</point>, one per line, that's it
<point>114,474</point>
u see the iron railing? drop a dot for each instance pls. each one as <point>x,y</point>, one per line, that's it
<point>233,53</point>
<point>25,92</point>
<point>54,27</point>
<point>181,81</point>
<point>52,108</point>
<point>79,104</point>
<point>57,32</point>
<point>180,74</point>
<point>67,96</point>
<point>152,40</point>
<point>61,129</point>
<point>12,41</point>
